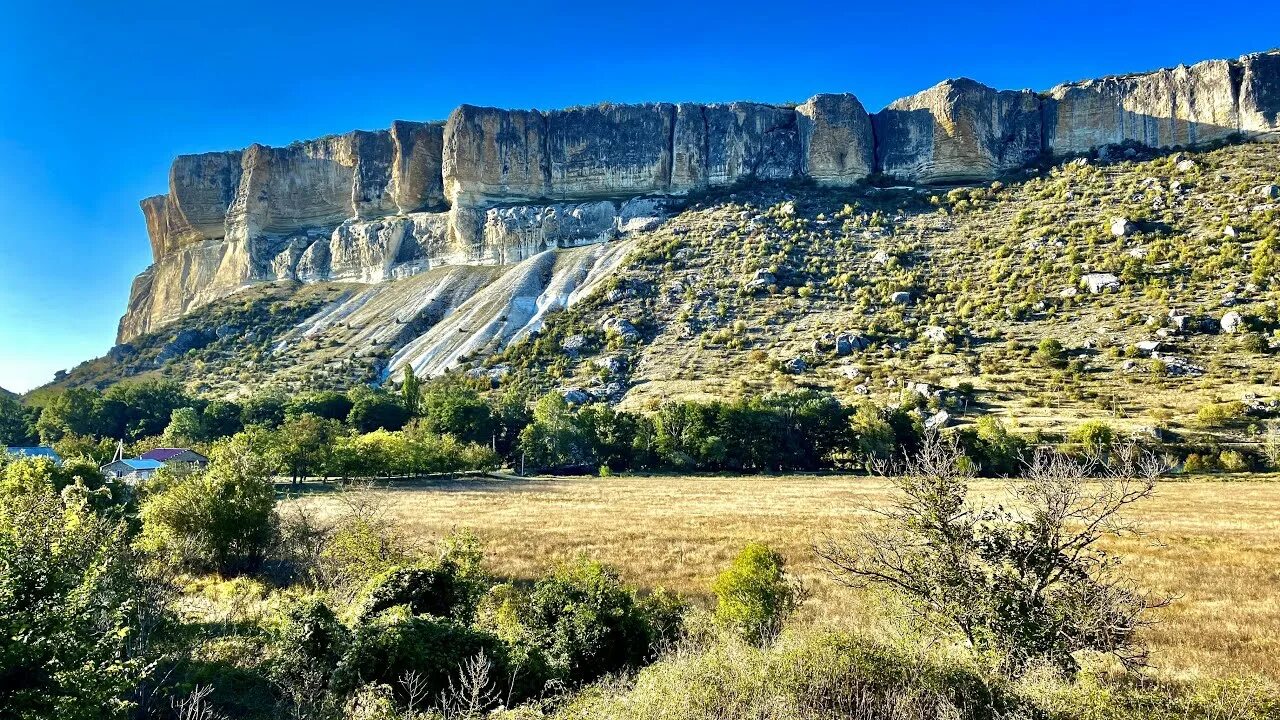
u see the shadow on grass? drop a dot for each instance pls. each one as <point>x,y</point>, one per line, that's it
<point>430,483</point>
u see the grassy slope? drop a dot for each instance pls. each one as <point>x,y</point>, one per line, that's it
<point>989,270</point>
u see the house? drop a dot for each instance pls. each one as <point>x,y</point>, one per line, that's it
<point>131,469</point>
<point>34,452</point>
<point>176,456</point>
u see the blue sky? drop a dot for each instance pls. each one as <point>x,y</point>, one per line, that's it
<point>96,98</point>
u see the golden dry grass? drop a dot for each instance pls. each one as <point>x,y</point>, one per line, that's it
<point>1214,544</point>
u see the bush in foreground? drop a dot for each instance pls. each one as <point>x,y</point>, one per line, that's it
<point>223,519</point>
<point>75,609</point>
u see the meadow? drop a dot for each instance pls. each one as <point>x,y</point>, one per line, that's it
<point>1210,545</point>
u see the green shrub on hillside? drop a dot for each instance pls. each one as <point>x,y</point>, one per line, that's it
<point>587,624</point>
<point>387,648</point>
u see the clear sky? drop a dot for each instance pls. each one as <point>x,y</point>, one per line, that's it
<point>96,98</point>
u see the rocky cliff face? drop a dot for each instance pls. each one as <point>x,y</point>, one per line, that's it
<point>494,186</point>
<point>958,130</point>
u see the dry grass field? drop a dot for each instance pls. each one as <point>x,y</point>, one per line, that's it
<point>1213,545</point>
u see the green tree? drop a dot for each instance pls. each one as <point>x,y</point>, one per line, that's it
<point>305,445</point>
<point>376,410</point>
<point>1051,354</point>
<point>411,392</point>
<point>997,451</point>
<point>222,519</point>
<point>452,405</point>
<point>1095,437</point>
<point>326,404</point>
<point>754,597</point>
<point>15,424</point>
<point>265,409</point>
<point>185,427</point>
<point>140,409</point>
<point>873,436</point>
<point>72,412</point>
<point>554,438</point>
<point>221,418</point>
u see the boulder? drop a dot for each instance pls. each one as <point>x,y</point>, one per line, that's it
<point>761,280</point>
<point>848,343</point>
<point>1101,282</point>
<point>612,364</point>
<point>576,396</point>
<point>573,344</point>
<point>622,328</point>
<point>936,335</point>
<point>1122,227</point>
<point>902,297</point>
<point>1232,322</point>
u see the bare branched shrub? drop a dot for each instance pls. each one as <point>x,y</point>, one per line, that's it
<point>415,690</point>
<point>340,552</point>
<point>196,705</point>
<point>473,694</point>
<point>1022,584</point>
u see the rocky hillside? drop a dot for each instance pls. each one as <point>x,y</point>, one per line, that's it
<point>1138,286</point>
<point>494,187</point>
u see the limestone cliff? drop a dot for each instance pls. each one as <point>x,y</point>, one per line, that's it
<point>496,187</point>
<point>958,130</point>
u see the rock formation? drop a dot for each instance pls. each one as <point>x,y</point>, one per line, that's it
<point>958,130</point>
<point>496,187</point>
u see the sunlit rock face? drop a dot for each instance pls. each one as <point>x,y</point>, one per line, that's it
<point>1179,106</point>
<point>958,130</point>
<point>837,146</point>
<point>499,187</point>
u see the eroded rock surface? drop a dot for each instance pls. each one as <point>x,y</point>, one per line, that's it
<point>958,130</point>
<point>492,186</point>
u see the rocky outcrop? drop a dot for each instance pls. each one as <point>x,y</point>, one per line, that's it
<point>1260,93</point>
<point>958,130</point>
<point>719,145</point>
<point>836,142</point>
<point>493,186</point>
<point>1179,106</point>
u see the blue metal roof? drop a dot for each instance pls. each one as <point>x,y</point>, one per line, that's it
<point>141,464</point>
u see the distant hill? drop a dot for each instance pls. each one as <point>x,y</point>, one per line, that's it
<point>6,394</point>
